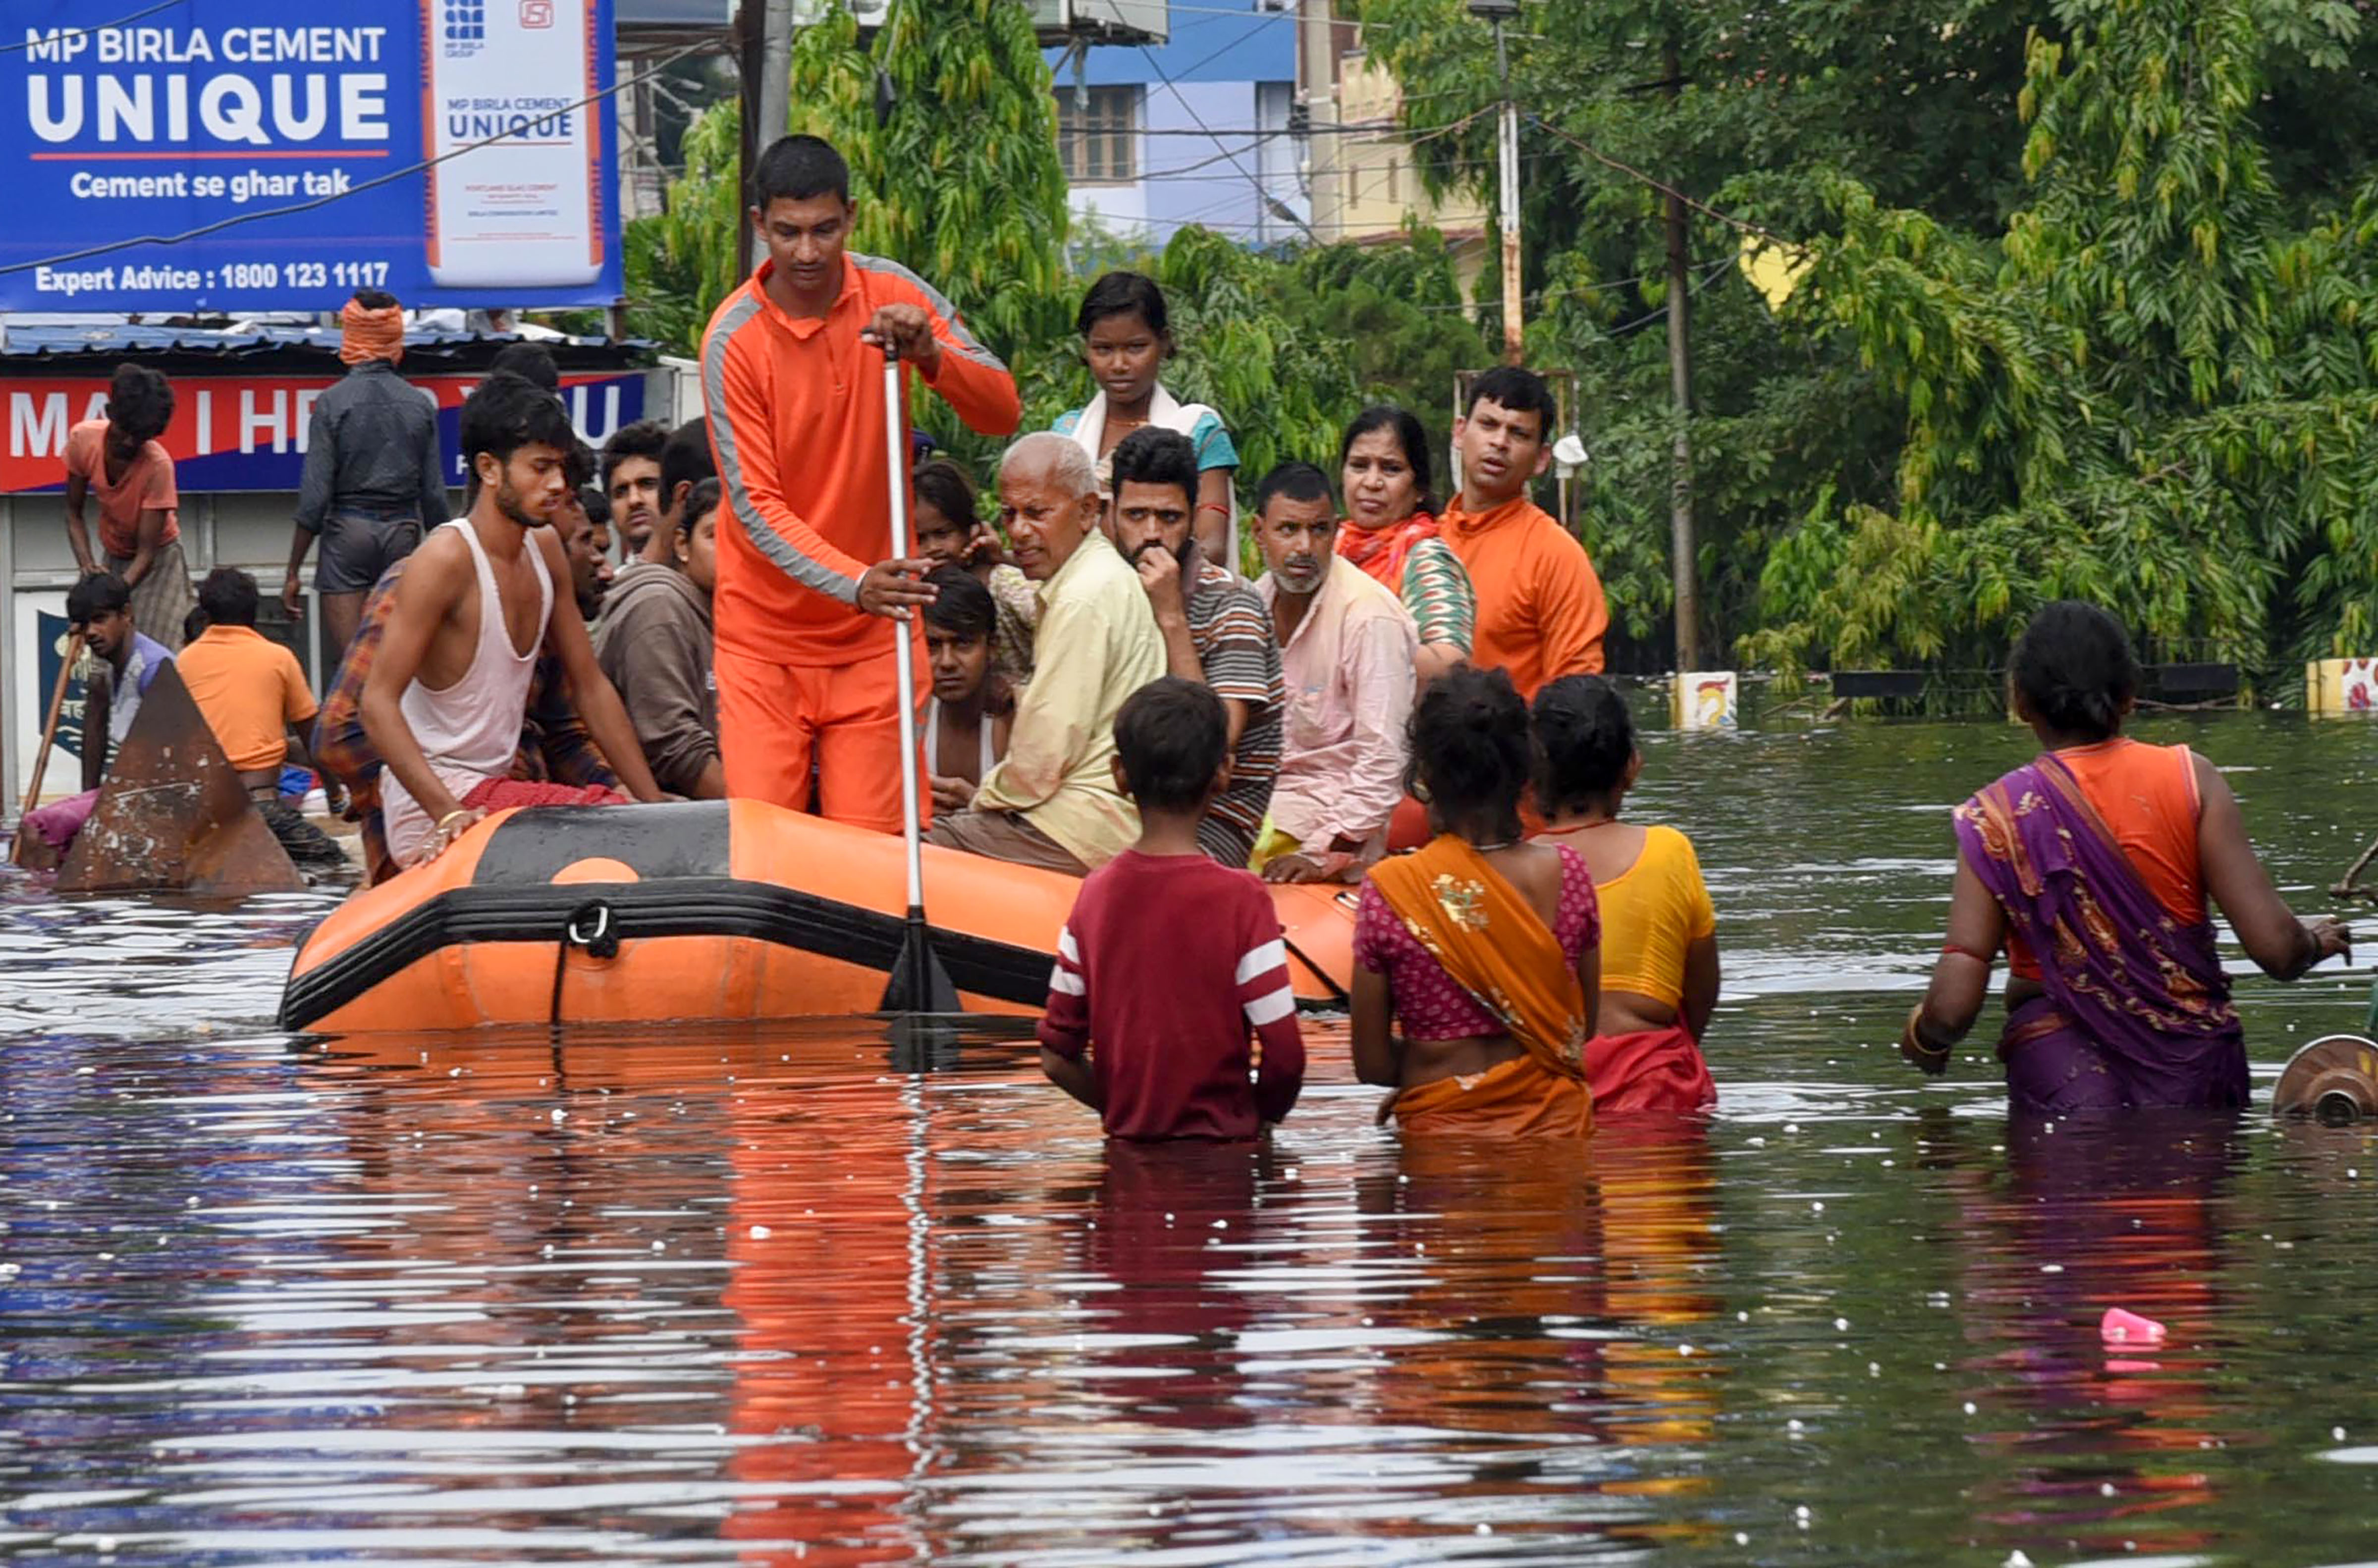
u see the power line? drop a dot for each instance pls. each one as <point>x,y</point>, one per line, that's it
<point>1270,202</point>
<point>1744,224</point>
<point>356,189</point>
<point>1694,287</point>
<point>1268,13</point>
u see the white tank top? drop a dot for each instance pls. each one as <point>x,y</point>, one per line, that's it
<point>984,759</point>
<point>471,730</point>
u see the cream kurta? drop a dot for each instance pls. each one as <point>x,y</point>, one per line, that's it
<point>1097,644</point>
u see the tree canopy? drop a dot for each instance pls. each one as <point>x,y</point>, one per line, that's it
<point>2089,310</point>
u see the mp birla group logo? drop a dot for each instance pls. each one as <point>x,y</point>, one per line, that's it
<point>467,28</point>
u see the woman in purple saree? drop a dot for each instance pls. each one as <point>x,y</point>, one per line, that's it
<point>2091,867</point>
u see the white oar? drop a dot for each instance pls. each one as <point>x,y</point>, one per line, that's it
<point>918,983</point>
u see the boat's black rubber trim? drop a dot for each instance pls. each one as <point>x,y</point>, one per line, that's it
<point>1336,992</point>
<point>687,906</point>
<point>672,839</point>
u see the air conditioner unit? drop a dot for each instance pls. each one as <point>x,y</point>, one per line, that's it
<point>1061,22</point>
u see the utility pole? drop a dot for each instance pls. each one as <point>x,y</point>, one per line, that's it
<point>1508,150</point>
<point>748,55</point>
<point>764,57</point>
<point>1685,552</point>
<point>776,95</point>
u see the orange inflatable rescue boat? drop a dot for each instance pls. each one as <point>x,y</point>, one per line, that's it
<point>704,910</point>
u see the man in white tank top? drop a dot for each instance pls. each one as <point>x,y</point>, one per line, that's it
<point>445,701</point>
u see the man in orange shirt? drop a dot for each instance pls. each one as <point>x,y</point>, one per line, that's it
<point>254,695</point>
<point>1541,613</point>
<point>792,378</point>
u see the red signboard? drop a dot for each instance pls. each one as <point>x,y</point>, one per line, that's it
<point>249,432</point>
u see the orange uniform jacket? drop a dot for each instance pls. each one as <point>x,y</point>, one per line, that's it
<point>1541,613</point>
<point>797,423</point>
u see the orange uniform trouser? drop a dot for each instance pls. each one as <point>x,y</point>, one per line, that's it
<point>774,719</point>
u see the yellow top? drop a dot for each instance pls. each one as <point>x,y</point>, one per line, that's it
<point>1651,913</point>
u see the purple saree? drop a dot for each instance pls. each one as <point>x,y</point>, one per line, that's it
<point>2137,1009</point>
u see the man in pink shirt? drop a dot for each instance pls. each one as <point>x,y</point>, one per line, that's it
<point>119,462</point>
<point>1347,648</point>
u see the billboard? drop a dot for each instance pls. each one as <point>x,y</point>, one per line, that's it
<point>249,432</point>
<point>243,155</point>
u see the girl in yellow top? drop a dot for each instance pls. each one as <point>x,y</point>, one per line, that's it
<point>1659,930</point>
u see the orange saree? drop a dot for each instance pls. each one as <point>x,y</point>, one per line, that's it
<point>1493,944</point>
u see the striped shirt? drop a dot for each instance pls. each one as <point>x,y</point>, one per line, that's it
<point>1165,965</point>
<point>1240,654</point>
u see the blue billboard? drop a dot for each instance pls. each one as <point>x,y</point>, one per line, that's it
<point>242,155</point>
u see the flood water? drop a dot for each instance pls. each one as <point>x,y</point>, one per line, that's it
<point>754,1296</point>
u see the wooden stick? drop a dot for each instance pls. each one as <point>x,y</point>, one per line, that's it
<point>50,731</point>
<point>2350,887</point>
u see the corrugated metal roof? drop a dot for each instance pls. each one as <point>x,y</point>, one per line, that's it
<point>49,341</point>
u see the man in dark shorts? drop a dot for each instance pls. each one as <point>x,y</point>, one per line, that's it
<point>373,482</point>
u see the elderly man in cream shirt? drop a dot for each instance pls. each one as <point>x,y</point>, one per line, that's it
<point>1053,801</point>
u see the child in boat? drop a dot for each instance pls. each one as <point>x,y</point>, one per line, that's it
<point>1659,929</point>
<point>1126,338</point>
<point>2091,865</point>
<point>1486,947</point>
<point>1169,959</point>
<point>949,533</point>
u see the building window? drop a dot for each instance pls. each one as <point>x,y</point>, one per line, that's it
<point>1099,141</point>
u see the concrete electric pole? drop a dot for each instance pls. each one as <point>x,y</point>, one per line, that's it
<point>1507,157</point>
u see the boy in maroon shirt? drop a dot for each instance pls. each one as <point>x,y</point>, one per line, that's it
<point>1168,958</point>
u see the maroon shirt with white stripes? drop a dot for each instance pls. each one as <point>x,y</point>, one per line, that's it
<point>1165,964</point>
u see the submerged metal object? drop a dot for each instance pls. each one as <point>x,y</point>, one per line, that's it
<point>173,816</point>
<point>2333,1080</point>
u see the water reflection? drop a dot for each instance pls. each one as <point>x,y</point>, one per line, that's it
<point>765,1297</point>
<point>2105,1444</point>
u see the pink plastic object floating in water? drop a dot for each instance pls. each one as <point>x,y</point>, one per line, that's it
<point>2120,1327</point>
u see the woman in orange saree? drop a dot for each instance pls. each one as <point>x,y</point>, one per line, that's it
<point>1485,947</point>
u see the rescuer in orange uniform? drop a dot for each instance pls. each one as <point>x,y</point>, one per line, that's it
<point>792,378</point>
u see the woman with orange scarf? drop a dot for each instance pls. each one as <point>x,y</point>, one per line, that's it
<point>1486,947</point>
<point>1391,534</point>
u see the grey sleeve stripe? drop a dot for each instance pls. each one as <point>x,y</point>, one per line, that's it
<point>771,544</point>
<point>968,343</point>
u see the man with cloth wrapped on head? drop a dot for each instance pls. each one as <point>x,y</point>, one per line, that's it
<point>373,483</point>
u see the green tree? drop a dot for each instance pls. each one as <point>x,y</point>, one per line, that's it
<point>682,263</point>
<point>1399,320</point>
<point>961,183</point>
<point>2153,388</point>
<point>1765,102</point>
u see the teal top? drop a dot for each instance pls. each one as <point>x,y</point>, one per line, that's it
<point>1206,433</point>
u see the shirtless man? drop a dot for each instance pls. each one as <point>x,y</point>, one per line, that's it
<point>444,703</point>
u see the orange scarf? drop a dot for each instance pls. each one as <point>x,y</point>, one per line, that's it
<point>371,334</point>
<point>1382,552</point>
<point>1495,947</point>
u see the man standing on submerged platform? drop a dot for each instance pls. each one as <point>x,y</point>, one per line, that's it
<point>373,479</point>
<point>444,703</point>
<point>791,377</point>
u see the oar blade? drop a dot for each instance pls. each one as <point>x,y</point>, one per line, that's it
<point>918,983</point>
